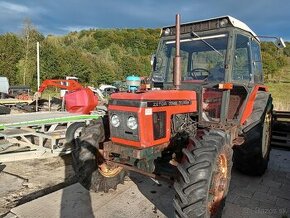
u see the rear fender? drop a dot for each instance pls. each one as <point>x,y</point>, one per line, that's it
<point>250,103</point>
<point>262,105</point>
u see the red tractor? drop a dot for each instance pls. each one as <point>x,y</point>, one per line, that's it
<point>207,110</point>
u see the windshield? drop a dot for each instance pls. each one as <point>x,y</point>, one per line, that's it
<point>202,59</point>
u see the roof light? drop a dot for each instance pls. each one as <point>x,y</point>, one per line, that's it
<point>224,22</point>
<point>166,31</point>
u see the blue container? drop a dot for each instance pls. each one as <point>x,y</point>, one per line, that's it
<point>133,83</point>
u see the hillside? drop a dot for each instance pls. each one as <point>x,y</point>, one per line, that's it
<point>94,56</point>
<point>280,88</point>
<point>101,56</point>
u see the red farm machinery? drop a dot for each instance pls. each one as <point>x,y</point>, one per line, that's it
<point>207,109</point>
<point>78,99</point>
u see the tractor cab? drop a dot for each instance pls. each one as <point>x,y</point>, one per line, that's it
<point>220,59</point>
<point>217,50</point>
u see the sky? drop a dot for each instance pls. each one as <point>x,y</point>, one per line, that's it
<point>58,17</point>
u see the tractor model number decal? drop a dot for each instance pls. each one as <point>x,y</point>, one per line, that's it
<point>168,103</point>
<point>149,103</point>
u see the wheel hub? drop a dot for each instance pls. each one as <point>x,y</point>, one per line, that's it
<point>266,134</point>
<point>109,170</point>
<point>220,180</point>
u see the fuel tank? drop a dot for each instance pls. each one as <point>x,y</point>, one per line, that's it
<point>82,101</point>
<point>151,111</point>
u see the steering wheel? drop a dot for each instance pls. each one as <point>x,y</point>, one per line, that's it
<point>199,73</point>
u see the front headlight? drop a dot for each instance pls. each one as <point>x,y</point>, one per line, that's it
<point>115,120</point>
<point>132,123</point>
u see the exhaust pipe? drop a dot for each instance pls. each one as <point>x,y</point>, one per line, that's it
<point>177,64</point>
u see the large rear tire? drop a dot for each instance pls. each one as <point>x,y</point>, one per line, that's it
<point>252,156</point>
<point>88,163</point>
<point>204,177</point>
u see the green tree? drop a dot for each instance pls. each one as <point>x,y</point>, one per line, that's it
<point>274,60</point>
<point>27,65</point>
<point>50,60</point>
<point>10,53</point>
<point>269,65</point>
<point>74,63</point>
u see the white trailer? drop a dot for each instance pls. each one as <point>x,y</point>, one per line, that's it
<point>4,85</point>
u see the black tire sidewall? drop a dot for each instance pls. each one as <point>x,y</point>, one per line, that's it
<point>205,179</point>
<point>70,132</point>
<point>85,156</point>
<point>248,157</point>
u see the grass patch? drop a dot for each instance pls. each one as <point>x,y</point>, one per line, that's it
<point>281,95</point>
<point>51,93</point>
<point>280,89</point>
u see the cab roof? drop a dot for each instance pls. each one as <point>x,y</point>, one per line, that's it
<point>210,24</point>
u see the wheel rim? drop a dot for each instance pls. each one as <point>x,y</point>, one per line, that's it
<point>266,135</point>
<point>109,170</point>
<point>77,133</point>
<point>220,181</point>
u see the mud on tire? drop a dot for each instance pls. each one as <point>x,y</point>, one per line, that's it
<point>87,158</point>
<point>196,186</point>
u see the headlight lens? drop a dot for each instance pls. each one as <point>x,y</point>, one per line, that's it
<point>132,123</point>
<point>115,120</point>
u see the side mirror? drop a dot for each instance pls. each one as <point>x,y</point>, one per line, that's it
<point>153,62</point>
<point>279,43</point>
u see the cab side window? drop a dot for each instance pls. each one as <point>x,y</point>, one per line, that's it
<point>242,66</point>
<point>256,62</point>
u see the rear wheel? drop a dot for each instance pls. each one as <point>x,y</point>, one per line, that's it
<point>252,156</point>
<point>90,167</point>
<point>204,178</point>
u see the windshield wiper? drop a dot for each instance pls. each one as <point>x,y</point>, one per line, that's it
<point>209,45</point>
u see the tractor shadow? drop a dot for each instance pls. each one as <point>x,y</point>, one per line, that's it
<point>159,193</point>
<point>75,199</point>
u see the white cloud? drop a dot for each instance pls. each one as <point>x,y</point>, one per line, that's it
<point>76,28</point>
<point>17,8</point>
<point>12,15</point>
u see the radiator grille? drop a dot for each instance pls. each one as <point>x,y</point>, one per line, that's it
<point>159,125</point>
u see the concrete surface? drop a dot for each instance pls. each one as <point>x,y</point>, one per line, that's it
<point>24,180</point>
<point>267,196</point>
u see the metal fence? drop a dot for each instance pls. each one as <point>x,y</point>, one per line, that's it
<point>281,129</point>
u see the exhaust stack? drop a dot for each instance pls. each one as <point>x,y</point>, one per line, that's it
<point>177,64</point>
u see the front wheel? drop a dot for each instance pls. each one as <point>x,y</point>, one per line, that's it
<point>90,168</point>
<point>204,179</point>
